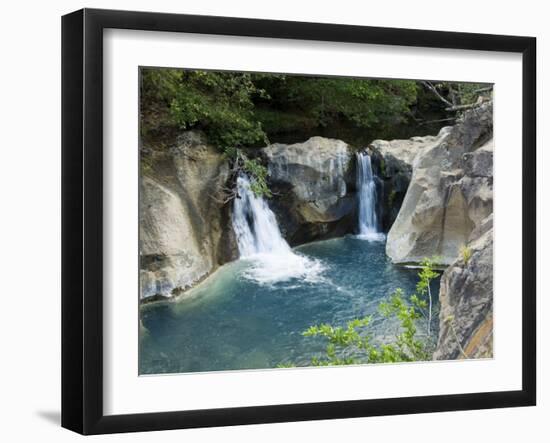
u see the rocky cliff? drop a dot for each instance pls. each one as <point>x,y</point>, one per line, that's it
<point>392,162</point>
<point>446,213</point>
<point>185,232</point>
<point>314,188</point>
<point>450,192</point>
<point>466,300</point>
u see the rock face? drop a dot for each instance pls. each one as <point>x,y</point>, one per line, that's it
<point>314,188</point>
<point>450,192</point>
<point>466,300</point>
<point>185,232</point>
<point>392,162</point>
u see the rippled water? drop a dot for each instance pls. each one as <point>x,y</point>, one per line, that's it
<point>241,319</point>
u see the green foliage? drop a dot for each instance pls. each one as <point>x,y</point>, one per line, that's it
<point>285,365</point>
<point>235,108</point>
<point>465,253</point>
<point>423,296</point>
<point>467,92</point>
<point>426,275</point>
<point>364,102</point>
<point>218,102</point>
<point>348,338</point>
<point>256,172</point>
<point>409,346</point>
<point>353,343</point>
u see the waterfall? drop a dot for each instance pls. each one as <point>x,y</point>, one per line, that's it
<point>366,191</point>
<point>261,244</point>
<point>255,225</point>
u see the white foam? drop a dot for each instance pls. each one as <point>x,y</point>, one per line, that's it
<point>371,236</point>
<point>270,268</point>
<point>268,256</point>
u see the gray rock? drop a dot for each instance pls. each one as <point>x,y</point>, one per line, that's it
<point>450,192</point>
<point>314,187</point>
<point>185,232</point>
<point>398,155</point>
<point>479,163</point>
<point>171,255</point>
<point>392,163</point>
<point>466,300</point>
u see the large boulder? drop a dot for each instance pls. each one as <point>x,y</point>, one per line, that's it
<point>450,192</point>
<point>314,188</point>
<point>185,229</point>
<point>466,300</point>
<point>392,163</point>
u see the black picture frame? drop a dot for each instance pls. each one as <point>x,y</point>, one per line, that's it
<point>82,219</point>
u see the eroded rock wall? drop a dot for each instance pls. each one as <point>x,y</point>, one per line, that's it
<point>450,192</point>
<point>447,212</point>
<point>185,230</point>
<point>466,300</point>
<point>392,163</point>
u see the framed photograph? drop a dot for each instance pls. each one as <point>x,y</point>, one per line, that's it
<point>269,221</point>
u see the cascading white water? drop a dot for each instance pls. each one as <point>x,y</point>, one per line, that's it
<point>261,243</point>
<point>366,191</point>
<point>255,225</point>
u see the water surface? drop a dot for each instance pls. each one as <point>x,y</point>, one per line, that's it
<point>240,319</point>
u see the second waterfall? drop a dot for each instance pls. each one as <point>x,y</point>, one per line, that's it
<point>368,225</point>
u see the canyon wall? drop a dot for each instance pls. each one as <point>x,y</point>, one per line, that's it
<point>185,229</point>
<point>447,214</point>
<point>450,192</point>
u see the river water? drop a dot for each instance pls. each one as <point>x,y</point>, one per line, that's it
<point>234,320</point>
<point>251,313</point>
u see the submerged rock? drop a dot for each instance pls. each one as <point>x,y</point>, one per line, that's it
<point>450,192</point>
<point>185,231</point>
<point>314,188</point>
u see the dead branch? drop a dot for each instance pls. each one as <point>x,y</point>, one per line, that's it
<point>482,90</point>
<point>477,103</point>
<point>461,107</point>
<point>427,122</point>
<point>436,92</point>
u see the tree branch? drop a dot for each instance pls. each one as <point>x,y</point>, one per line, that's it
<point>436,92</point>
<point>462,107</point>
<point>482,90</point>
<point>427,122</point>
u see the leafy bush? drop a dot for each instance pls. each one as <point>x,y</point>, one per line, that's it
<point>218,102</point>
<point>465,253</point>
<point>258,173</point>
<point>221,102</point>
<point>252,168</point>
<point>353,343</point>
<point>234,108</point>
<point>363,101</point>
